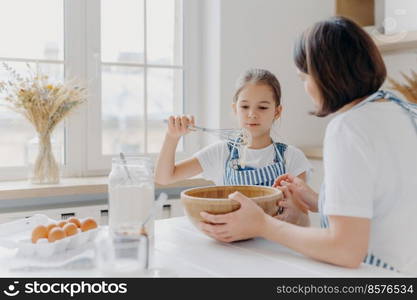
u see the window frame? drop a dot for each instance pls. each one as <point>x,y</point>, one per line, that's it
<point>98,164</point>
<point>81,55</point>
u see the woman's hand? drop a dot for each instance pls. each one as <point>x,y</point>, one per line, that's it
<point>246,222</point>
<point>302,195</point>
<point>291,212</point>
<point>178,125</point>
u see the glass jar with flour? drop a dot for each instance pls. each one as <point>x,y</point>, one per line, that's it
<point>131,194</point>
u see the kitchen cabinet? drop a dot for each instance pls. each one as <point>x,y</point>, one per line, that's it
<point>392,24</point>
<point>360,11</point>
<point>98,212</point>
<point>173,208</point>
<point>80,197</point>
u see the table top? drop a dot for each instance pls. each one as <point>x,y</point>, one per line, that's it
<point>183,251</point>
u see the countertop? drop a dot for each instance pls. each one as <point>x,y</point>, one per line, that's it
<point>183,251</point>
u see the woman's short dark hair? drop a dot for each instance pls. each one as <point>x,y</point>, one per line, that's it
<point>342,59</point>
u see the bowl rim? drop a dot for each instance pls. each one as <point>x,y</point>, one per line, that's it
<point>277,192</point>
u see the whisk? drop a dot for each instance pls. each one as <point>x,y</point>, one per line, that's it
<point>234,137</point>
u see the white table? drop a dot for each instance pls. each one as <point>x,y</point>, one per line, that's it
<point>185,252</point>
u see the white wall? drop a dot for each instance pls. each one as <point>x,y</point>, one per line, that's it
<point>258,33</point>
<point>398,61</point>
<point>241,34</point>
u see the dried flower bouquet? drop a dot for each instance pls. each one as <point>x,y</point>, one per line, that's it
<point>44,104</point>
<point>408,89</point>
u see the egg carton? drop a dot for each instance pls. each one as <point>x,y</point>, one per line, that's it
<point>18,234</point>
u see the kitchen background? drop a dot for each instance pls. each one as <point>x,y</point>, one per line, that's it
<point>144,60</point>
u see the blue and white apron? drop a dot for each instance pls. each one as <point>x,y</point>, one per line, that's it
<point>234,174</point>
<point>411,109</point>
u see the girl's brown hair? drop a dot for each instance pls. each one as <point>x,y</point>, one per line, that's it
<point>343,61</point>
<point>259,76</point>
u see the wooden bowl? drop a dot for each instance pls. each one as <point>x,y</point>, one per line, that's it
<point>214,199</point>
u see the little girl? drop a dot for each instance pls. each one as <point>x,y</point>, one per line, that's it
<point>257,104</point>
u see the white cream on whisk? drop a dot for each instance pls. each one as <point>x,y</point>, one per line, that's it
<point>246,140</point>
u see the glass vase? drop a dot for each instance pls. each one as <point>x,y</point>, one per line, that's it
<point>44,160</point>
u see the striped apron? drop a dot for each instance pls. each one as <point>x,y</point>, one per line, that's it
<point>411,109</point>
<point>234,174</point>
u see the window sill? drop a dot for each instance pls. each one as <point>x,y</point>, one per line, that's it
<point>74,187</point>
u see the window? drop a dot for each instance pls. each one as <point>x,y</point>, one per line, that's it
<point>30,35</point>
<point>141,77</point>
<point>138,58</point>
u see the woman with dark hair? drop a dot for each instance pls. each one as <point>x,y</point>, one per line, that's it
<point>368,198</point>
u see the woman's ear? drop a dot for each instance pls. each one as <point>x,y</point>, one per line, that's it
<point>278,111</point>
<point>234,108</point>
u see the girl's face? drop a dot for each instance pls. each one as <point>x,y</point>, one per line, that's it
<point>311,88</point>
<point>256,109</point>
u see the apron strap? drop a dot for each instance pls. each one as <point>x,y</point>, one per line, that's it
<point>409,107</point>
<point>279,151</point>
<point>233,150</point>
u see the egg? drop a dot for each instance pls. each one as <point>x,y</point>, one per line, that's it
<point>62,223</point>
<point>70,229</point>
<point>75,221</point>
<point>56,234</point>
<point>50,226</point>
<point>39,232</point>
<point>88,224</point>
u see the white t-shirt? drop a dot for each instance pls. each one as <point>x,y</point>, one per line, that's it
<point>213,160</point>
<point>370,169</point>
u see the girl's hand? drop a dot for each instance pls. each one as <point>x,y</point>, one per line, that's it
<point>178,125</point>
<point>246,222</point>
<point>302,195</point>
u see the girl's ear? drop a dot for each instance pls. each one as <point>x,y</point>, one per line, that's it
<point>278,111</point>
<point>234,108</point>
